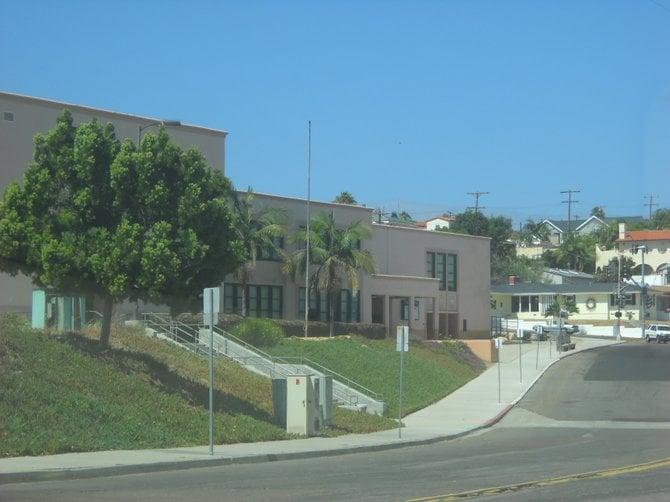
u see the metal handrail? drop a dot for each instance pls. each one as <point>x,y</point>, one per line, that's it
<point>274,364</point>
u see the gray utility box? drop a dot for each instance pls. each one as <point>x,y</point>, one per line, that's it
<point>302,405</point>
<point>279,400</point>
<point>323,391</point>
<point>563,339</point>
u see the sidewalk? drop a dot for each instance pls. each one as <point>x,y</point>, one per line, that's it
<point>480,403</point>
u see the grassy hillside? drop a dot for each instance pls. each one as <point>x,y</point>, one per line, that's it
<point>431,370</point>
<point>59,392</point>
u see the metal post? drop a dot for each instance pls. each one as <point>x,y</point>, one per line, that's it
<point>618,301</point>
<point>211,374</point>
<point>643,296</point>
<point>402,352</point>
<point>309,189</point>
<point>520,340</point>
<point>498,345</point>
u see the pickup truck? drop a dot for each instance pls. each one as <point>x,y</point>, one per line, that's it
<point>658,332</point>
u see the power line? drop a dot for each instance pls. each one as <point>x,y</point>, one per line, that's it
<point>650,203</point>
<point>569,202</point>
<point>477,196</point>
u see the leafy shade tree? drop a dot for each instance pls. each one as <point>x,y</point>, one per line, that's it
<point>660,220</point>
<point>498,228</point>
<point>94,216</point>
<point>532,232</point>
<point>402,216</point>
<point>336,255</point>
<point>522,267</point>
<point>606,236</point>
<point>598,211</point>
<point>345,198</point>
<point>258,229</point>
<point>610,273</point>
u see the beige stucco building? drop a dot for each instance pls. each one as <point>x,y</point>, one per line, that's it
<point>437,283</point>
<point>656,255</point>
<point>23,117</point>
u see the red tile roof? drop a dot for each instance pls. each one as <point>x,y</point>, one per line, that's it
<point>646,235</point>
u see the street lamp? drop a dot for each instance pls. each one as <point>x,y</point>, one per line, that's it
<point>166,123</point>
<point>643,290</point>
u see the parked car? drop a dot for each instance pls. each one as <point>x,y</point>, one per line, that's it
<point>553,325</point>
<point>658,332</point>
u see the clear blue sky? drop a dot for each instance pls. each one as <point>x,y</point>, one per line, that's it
<point>413,104</point>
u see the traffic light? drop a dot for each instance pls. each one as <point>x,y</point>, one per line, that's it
<point>649,301</point>
<point>611,269</point>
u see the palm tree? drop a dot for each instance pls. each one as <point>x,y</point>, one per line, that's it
<point>257,229</point>
<point>337,257</point>
<point>577,252</point>
<point>562,306</point>
<point>345,198</point>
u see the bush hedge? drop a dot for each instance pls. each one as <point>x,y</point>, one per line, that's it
<point>297,327</point>
<point>258,332</point>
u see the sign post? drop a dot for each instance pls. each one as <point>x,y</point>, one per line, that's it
<point>498,345</point>
<point>519,336</point>
<point>402,346</point>
<point>210,310</point>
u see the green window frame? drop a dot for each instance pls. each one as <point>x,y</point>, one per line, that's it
<point>436,267</point>
<point>262,300</point>
<point>452,272</point>
<point>347,308</point>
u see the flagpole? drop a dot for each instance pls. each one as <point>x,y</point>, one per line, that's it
<point>309,188</point>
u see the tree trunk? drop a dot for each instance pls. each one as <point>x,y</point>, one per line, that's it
<point>244,299</point>
<point>331,308</point>
<point>107,307</point>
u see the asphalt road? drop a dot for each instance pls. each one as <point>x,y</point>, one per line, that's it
<point>595,427</point>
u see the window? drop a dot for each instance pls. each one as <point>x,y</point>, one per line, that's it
<point>9,116</point>
<point>451,272</point>
<point>430,264</point>
<point>404,310</point>
<point>436,267</point>
<point>346,308</point>
<point>270,252</point>
<point>232,299</point>
<point>262,301</point>
<point>625,300</point>
<point>529,303</point>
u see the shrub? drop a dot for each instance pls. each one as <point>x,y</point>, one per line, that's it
<point>258,332</point>
<point>321,329</point>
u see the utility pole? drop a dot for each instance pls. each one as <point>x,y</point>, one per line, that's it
<point>650,203</point>
<point>643,289</point>
<point>477,196</point>
<point>569,202</point>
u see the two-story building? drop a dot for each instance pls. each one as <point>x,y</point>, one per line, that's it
<point>437,283</point>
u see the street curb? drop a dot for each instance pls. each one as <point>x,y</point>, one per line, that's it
<point>120,470</point>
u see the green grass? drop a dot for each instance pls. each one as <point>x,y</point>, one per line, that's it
<point>59,392</point>
<point>430,370</point>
